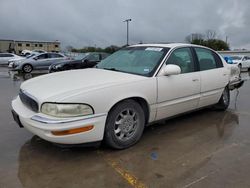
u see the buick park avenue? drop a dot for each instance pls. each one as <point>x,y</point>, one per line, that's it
<point>128,90</point>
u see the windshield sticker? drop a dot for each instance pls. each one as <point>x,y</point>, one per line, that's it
<point>153,49</point>
<point>146,70</point>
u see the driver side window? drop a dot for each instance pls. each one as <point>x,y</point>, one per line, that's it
<point>183,58</point>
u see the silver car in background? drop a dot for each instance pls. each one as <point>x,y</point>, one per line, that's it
<point>5,57</point>
<point>37,62</point>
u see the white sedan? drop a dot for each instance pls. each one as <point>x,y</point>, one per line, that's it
<point>131,88</point>
<point>242,61</point>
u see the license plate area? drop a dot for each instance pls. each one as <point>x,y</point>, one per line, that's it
<point>16,118</point>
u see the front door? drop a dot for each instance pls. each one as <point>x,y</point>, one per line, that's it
<point>179,93</point>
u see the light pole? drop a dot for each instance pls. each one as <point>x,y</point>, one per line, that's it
<point>127,20</point>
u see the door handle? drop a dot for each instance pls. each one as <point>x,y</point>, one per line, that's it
<point>195,79</point>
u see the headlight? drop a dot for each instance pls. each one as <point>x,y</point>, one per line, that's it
<point>66,110</point>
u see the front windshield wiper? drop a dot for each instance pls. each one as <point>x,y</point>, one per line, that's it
<point>112,69</point>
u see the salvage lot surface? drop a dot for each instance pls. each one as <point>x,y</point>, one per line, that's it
<point>202,149</point>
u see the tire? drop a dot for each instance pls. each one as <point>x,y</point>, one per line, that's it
<point>125,124</point>
<point>27,68</point>
<point>224,100</point>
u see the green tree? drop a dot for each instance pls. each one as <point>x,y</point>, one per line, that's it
<point>208,39</point>
<point>110,49</point>
<point>215,44</point>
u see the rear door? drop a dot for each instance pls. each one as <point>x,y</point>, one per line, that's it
<point>53,58</point>
<point>179,93</point>
<point>40,61</point>
<point>214,76</point>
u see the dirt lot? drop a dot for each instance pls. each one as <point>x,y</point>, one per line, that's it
<point>202,149</point>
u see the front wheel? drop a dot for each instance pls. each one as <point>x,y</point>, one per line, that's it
<point>125,125</point>
<point>224,100</point>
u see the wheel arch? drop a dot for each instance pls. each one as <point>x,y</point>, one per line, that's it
<point>141,101</point>
<point>27,64</point>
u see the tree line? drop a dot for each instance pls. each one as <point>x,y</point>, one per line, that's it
<point>208,39</point>
<point>110,49</point>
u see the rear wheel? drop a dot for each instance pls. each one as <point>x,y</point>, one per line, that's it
<point>224,100</point>
<point>124,125</point>
<point>27,68</point>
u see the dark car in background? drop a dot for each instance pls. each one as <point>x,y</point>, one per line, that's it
<point>37,62</point>
<point>88,60</point>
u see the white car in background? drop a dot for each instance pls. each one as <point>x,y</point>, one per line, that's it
<point>128,90</point>
<point>5,57</point>
<point>242,61</point>
<point>29,52</point>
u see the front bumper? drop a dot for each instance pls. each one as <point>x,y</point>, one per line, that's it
<point>13,66</point>
<point>42,125</point>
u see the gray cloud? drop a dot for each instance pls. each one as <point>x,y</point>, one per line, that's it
<point>94,22</point>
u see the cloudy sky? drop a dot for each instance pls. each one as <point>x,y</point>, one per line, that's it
<point>100,22</point>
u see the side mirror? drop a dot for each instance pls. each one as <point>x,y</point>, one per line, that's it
<point>171,70</point>
<point>35,58</point>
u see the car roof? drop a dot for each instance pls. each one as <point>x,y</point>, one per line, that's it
<point>166,45</point>
<point>49,53</point>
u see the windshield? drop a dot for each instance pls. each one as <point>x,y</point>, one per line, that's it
<point>135,60</point>
<point>236,58</point>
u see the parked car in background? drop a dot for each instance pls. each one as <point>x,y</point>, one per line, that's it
<point>5,57</point>
<point>228,59</point>
<point>37,62</point>
<point>88,60</point>
<point>38,51</point>
<point>242,61</point>
<point>17,60</point>
<point>29,52</point>
<point>131,88</point>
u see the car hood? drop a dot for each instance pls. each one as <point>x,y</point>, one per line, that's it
<point>56,87</point>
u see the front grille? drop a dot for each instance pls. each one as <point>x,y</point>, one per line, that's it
<point>28,101</point>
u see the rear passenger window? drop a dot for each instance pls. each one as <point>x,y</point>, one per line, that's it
<point>55,56</point>
<point>183,58</point>
<point>42,56</point>
<point>208,59</point>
